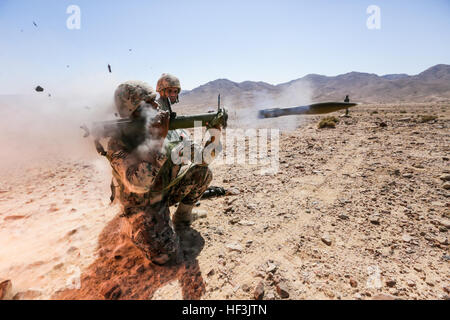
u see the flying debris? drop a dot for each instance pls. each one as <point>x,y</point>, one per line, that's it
<point>35,24</point>
<point>39,89</point>
<point>109,68</point>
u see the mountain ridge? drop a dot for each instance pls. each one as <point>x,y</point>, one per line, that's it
<point>430,85</point>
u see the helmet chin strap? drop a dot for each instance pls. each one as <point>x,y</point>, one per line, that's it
<point>170,103</point>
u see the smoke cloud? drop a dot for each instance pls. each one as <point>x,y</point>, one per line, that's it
<point>39,126</point>
<point>244,111</point>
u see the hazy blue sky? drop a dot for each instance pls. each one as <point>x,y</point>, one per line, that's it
<point>200,41</point>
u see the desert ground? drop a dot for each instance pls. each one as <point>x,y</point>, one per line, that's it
<point>359,211</point>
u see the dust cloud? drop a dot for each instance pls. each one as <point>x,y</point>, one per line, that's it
<point>246,114</point>
<point>40,126</point>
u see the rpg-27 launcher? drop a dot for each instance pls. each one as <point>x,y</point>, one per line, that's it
<point>134,130</point>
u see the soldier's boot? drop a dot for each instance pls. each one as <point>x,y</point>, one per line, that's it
<point>182,217</point>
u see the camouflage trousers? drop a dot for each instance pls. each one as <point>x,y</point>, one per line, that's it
<point>150,228</point>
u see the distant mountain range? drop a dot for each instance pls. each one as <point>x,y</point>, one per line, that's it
<point>431,85</point>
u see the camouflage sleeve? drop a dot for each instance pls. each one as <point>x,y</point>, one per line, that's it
<point>136,175</point>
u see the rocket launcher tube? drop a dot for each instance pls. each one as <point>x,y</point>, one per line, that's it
<point>134,127</point>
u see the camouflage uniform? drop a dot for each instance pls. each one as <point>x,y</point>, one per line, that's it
<point>147,187</point>
<point>145,193</point>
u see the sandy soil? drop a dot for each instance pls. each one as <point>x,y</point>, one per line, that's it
<point>355,212</point>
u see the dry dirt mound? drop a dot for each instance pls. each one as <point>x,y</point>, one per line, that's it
<point>122,271</point>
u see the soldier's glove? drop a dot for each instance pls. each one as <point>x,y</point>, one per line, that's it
<point>219,120</point>
<point>159,125</point>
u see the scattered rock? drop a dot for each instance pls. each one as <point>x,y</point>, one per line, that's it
<point>245,287</point>
<point>411,283</point>
<point>343,217</point>
<point>229,209</point>
<point>446,185</point>
<point>259,291</point>
<point>6,290</point>
<point>111,291</point>
<point>270,296</point>
<point>271,267</point>
<point>375,219</point>
<point>391,283</point>
<point>234,247</point>
<point>234,220</point>
<point>282,290</point>
<point>445,177</point>
<point>442,240</point>
<point>246,223</point>
<point>406,237</point>
<point>353,283</point>
<point>326,240</point>
<point>232,192</point>
<point>407,175</point>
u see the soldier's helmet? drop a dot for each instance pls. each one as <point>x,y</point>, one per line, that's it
<point>168,81</point>
<point>130,94</point>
